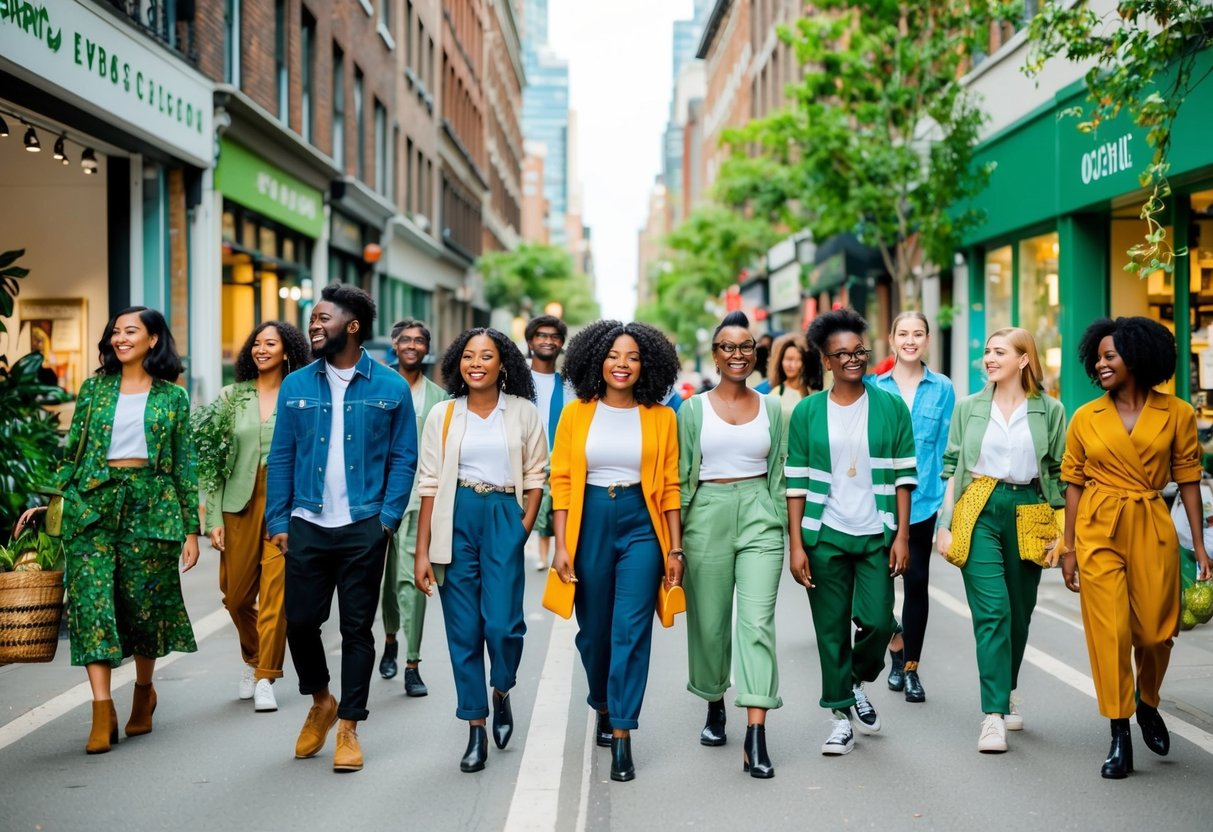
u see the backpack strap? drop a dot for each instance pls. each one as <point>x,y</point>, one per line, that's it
<point>446,423</point>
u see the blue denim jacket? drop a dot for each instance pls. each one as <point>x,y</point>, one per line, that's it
<point>931,416</point>
<point>380,449</point>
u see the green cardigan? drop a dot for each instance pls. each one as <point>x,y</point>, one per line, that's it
<point>690,426</point>
<point>1046,422</point>
<point>245,457</point>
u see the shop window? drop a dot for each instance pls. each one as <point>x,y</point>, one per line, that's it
<point>1039,311</point>
<point>999,288</point>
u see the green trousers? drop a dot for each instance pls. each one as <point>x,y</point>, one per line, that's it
<point>400,594</point>
<point>734,541</point>
<point>851,584</point>
<point>1001,590</point>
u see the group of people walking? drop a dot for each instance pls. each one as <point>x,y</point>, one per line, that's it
<point>372,482</point>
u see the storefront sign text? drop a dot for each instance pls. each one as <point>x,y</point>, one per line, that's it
<point>1107,159</point>
<point>247,178</point>
<point>33,20</point>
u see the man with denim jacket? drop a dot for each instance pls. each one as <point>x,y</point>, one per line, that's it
<point>340,470</point>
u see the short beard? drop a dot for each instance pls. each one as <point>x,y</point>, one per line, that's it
<point>332,346</point>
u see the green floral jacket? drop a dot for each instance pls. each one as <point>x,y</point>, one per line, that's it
<point>169,454</point>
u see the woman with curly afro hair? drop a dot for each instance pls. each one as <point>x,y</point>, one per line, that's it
<point>480,477</point>
<point>1121,450</point>
<point>616,513</point>
<point>251,570</point>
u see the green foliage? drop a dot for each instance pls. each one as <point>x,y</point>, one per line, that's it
<point>1143,58</point>
<point>32,551</point>
<point>9,287</point>
<point>531,276</point>
<point>212,427</point>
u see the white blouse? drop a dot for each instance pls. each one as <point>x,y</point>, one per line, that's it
<point>1007,452</point>
<point>733,451</point>
<point>128,440</point>
<point>484,455</point>
<point>613,446</point>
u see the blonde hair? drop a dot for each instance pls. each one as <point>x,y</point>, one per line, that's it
<point>913,313</point>
<point>1031,378</point>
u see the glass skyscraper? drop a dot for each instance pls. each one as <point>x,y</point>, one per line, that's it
<point>545,112</point>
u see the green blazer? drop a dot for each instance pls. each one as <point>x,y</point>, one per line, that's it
<point>170,454</point>
<point>248,453</point>
<point>1046,422</point>
<point>434,394</point>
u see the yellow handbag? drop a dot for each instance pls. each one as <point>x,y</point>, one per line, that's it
<point>558,596</point>
<point>1038,526</point>
<point>964,518</point>
<point>670,602</point>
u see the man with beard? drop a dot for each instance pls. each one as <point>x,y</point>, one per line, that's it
<point>545,336</point>
<point>401,598</point>
<point>340,471</point>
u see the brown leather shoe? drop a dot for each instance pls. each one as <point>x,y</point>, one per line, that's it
<point>105,728</point>
<point>142,708</point>
<point>320,718</point>
<point>349,752</point>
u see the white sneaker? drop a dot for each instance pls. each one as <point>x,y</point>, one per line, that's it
<point>993,739</point>
<point>245,689</point>
<point>869,720</point>
<point>841,739</point>
<point>1014,718</point>
<point>263,696</point>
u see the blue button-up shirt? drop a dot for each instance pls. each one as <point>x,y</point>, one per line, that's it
<point>931,416</point>
<point>380,444</point>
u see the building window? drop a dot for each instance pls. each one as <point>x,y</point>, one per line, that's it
<point>999,288</point>
<point>385,14</point>
<point>1039,311</point>
<point>231,52</point>
<point>381,138</point>
<point>281,74</point>
<point>339,107</point>
<point>307,73</point>
<point>409,183</point>
<point>359,127</point>
<point>408,33</point>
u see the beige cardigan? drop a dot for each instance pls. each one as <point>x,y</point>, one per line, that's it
<point>438,473</point>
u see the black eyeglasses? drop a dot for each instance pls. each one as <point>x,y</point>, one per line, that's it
<point>847,356</point>
<point>546,336</point>
<point>728,349</point>
<point>405,341</point>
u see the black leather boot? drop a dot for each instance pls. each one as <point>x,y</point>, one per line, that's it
<point>503,720</point>
<point>713,729</point>
<point>1153,729</point>
<point>897,663</point>
<point>756,761</point>
<point>1120,755</point>
<point>387,665</point>
<point>621,759</point>
<point>914,691</point>
<point>477,751</point>
<point>602,736</point>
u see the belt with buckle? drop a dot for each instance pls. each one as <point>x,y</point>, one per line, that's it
<point>619,486</point>
<point>486,488</point>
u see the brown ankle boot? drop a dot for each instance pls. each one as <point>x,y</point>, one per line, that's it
<point>105,728</point>
<point>141,710</point>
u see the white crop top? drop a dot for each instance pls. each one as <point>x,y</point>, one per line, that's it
<point>484,455</point>
<point>612,448</point>
<point>127,440</point>
<point>733,451</point>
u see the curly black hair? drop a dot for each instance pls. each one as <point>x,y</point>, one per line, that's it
<point>833,322</point>
<point>355,301</point>
<point>588,350</point>
<point>298,350</point>
<point>1147,347</point>
<point>162,361</point>
<point>518,380</point>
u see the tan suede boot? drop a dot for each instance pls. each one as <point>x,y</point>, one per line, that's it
<point>105,728</point>
<point>142,708</point>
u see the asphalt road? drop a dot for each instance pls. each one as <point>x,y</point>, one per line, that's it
<point>212,763</point>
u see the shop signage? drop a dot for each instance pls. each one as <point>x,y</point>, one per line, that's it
<point>785,287</point>
<point>110,71</point>
<point>345,234</point>
<point>246,178</point>
<point>1107,159</point>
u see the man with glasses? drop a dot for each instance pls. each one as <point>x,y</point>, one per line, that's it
<point>545,336</point>
<point>401,598</point>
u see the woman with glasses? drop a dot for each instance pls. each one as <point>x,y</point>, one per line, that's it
<point>851,468</point>
<point>735,515</point>
<point>1006,443</point>
<point>930,398</point>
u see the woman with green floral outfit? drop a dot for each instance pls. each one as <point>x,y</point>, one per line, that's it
<point>251,569</point>
<point>131,509</point>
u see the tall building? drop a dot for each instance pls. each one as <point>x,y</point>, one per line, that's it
<point>545,118</point>
<point>503,85</point>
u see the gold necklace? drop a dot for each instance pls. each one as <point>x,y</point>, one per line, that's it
<point>858,424</point>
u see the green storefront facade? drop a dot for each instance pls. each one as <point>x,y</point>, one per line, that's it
<point>1061,209</point>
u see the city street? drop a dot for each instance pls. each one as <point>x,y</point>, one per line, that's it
<point>212,763</point>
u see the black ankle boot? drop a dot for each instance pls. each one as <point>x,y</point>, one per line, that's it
<point>913,687</point>
<point>387,665</point>
<point>503,720</point>
<point>713,729</point>
<point>756,761</point>
<point>602,736</point>
<point>477,750</point>
<point>621,759</point>
<point>1153,729</point>
<point>897,663</point>
<point>1120,755</point>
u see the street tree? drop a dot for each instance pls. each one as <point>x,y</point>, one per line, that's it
<point>534,275</point>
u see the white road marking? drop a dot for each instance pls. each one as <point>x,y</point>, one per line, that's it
<point>537,790</point>
<point>1077,679</point>
<point>591,742</point>
<point>52,709</point>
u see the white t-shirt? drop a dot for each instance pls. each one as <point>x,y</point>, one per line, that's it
<point>484,454</point>
<point>613,446</point>
<point>850,506</point>
<point>733,451</point>
<point>1007,452</point>
<point>128,439</point>
<point>335,501</point>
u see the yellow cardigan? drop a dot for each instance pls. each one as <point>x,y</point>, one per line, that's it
<point>658,466</point>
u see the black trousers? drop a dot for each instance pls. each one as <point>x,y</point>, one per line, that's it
<point>319,560</point>
<point>916,603</point>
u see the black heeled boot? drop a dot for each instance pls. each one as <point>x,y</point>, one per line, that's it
<point>756,761</point>
<point>1153,729</point>
<point>503,720</point>
<point>622,769</point>
<point>387,665</point>
<point>477,750</point>
<point>1120,755</point>
<point>713,729</point>
<point>602,736</point>
<point>897,674</point>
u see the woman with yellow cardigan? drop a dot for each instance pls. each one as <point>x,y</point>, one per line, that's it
<point>1121,450</point>
<point>616,513</point>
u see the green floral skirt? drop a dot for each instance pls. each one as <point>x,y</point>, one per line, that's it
<point>123,584</point>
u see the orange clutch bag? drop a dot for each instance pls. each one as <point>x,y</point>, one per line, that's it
<point>558,596</point>
<point>670,602</point>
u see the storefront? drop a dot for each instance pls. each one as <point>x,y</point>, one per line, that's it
<point>847,273</point>
<point>1061,211</point>
<point>419,278</point>
<point>108,133</point>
